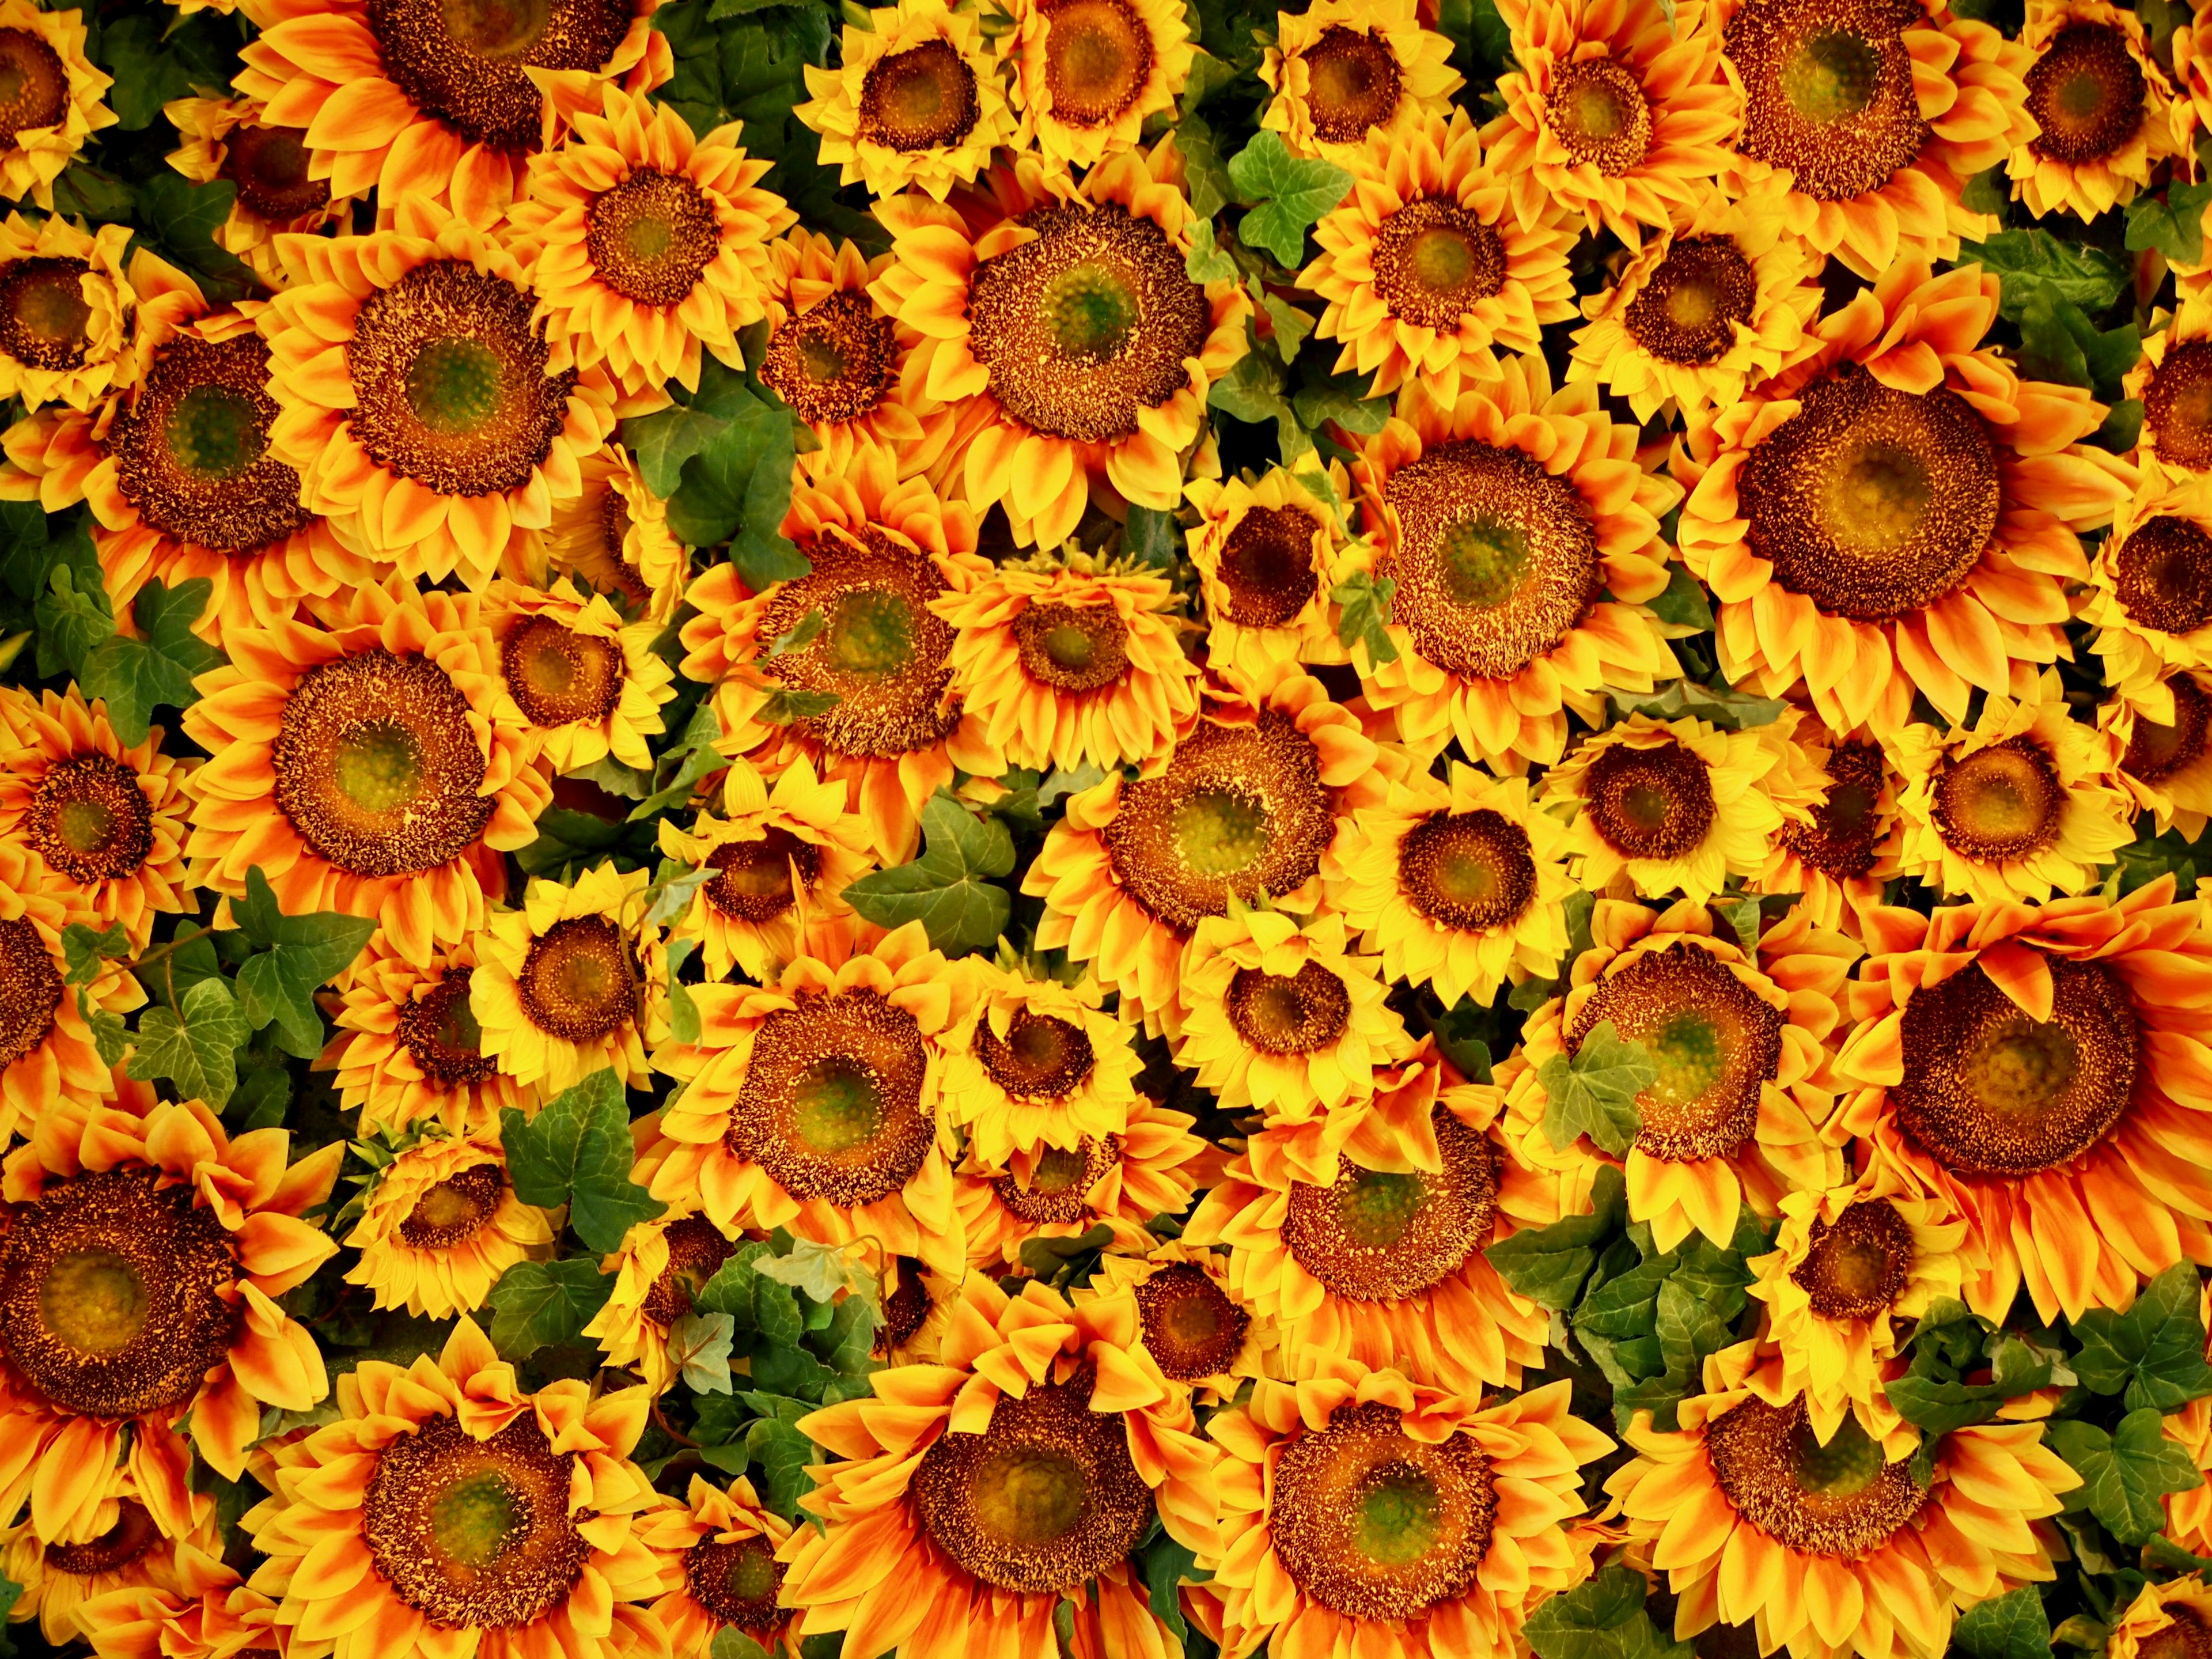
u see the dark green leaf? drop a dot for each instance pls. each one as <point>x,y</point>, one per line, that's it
<point>1205,262</point>
<point>1593,1092</point>
<point>1684,604</point>
<point>1364,615</point>
<point>2059,342</point>
<point>1342,400</point>
<point>73,617</point>
<point>1729,710</point>
<point>2174,223</point>
<point>1603,1618</point>
<point>784,705</point>
<point>731,1290</point>
<point>1285,195</point>
<point>1166,1563</point>
<point>194,1045</point>
<point>151,71</point>
<point>781,1454</point>
<point>945,889</point>
<point>183,217</point>
<point>1203,176</point>
<point>2154,1351</point>
<point>2125,1474</point>
<point>2010,1626</point>
<point>297,955</point>
<point>136,676</point>
<point>1252,391</point>
<point>577,1151</point>
<point>730,1642</point>
<point>537,1304</point>
<point>83,192</point>
<point>2031,262</point>
<point>1548,1265</point>
<point>1152,535</point>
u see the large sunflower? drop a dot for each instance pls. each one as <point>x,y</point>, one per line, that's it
<point>2174,383</point>
<point>1365,1514</point>
<point>2150,591</point>
<point>2042,1069</point>
<point>1524,536</point>
<point>1035,1064</point>
<point>66,302</point>
<point>1344,71</point>
<point>916,99</point>
<point>1899,512</point>
<point>440,1226</point>
<point>718,1568</point>
<point>406,1046</point>
<point>226,141</point>
<point>1838,860</point>
<point>129,1557</point>
<point>2106,114</point>
<point>657,1269</point>
<point>615,536</point>
<point>53,98</point>
<point>968,1497</point>
<point>1740,1043</point>
<point>1427,265</point>
<point>1265,553</point>
<point>573,982</point>
<point>584,683</point>
<point>138,1279</point>
<point>361,763</point>
<point>448,1512</point>
<point>2165,762</point>
<point>1064,310</point>
<point>1118,1182</point>
<point>1190,1321</point>
<point>48,1058</point>
<point>1087,73</point>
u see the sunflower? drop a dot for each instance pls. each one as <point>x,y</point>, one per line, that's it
<point>812,1102</point>
<point>225,139</point>
<point>2173,1620</point>
<point>1898,512</point>
<point>448,1511</point>
<point>2165,764</point>
<point>574,980</point>
<point>106,819</point>
<point>1035,1064</point>
<point>129,1555</point>
<point>918,1304</point>
<point>1119,1181</point>
<point>407,1048</point>
<point>52,105</point>
<point>1613,114</point>
<point>1872,115</point>
<point>658,1268</point>
<point>1741,1044</point>
<point>1426,264</point>
<point>1247,804</point>
<point>882,549</point>
<point>969,1496</point>
<point>2189,1513</point>
<point>2174,382</point>
<point>138,1283</point>
<point>210,1614</point>
<point>1087,73</point>
<point>2040,1069</point>
<point>1063,309</point>
<point>2018,807</point>
<point>1365,1514</point>
<point>647,244</point>
<point>65,298</point>
<point>427,415</point>
<point>718,1568</point>
<point>614,536</point>
<point>361,763</point>
<point>1523,537</point>
<point>47,1053</point>
<point>440,1226</point>
<point>586,683</point>
<point>916,100</point>
<point>2106,111</point>
<point>1265,553</point>
<point>1066,660</point>
<point>1837,859</point>
<point>1192,1324</point>
<point>2150,590</point>
<point>1345,72</point>
<point>1701,312</point>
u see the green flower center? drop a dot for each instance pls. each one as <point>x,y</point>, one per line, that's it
<point>1376,1207</point>
<point>84,826</point>
<point>1061,1170</point>
<point>1878,496</point>
<point>475,1519</point>
<point>1600,111</point>
<point>837,1106</point>
<point>1484,559</point>
<point>215,432</point>
<point>2023,1069</point>
<point>752,1576</point>
<point>1090,311</point>
<point>496,28</point>
<point>1442,259</point>
<point>1399,1516</point>
<point>821,359</point>
<point>95,1301</point>
<point>1029,1494</point>
<point>1833,76</point>
<point>1692,1055</point>
<point>1218,832</point>
<point>452,387</point>
<point>1846,1467</point>
<point>870,634</point>
<point>1071,647</point>
<point>378,766</point>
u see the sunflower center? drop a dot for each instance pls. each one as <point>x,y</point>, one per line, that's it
<point>1097,58</point>
<point>44,317</point>
<point>559,677</point>
<point>1858,1265</point>
<point>1289,1013</point>
<point>93,1301</point>
<point>455,1210</point>
<point>2085,94</point>
<point>653,236</point>
<point>1089,311</point>
<point>1267,566</point>
<point>1040,1058</point>
<point>466,61</point>
<point>441,1034</point>
<point>923,98</point>
<point>2177,406</point>
<point>881,651</point>
<point>696,1251</point>
<point>30,990</point>
<point>833,362</point>
<point>1999,804</point>
<point>1828,92</point>
<point>1191,1328</point>
<point>737,1582</point>
<point>1471,871</point>
<point>1689,308</point>
<point>2186,1636</point>
<point>474,1519</point>
<point>1653,802</point>
<point>1351,83</point>
<point>453,386</point>
<point>1057,1184</point>
<point>1071,648</point>
<point>2163,575</point>
<point>215,432</point>
<point>132,1536</point>
<point>753,879</point>
<point>1598,113</point>
<point>2156,752</point>
<point>33,85</point>
<point>831,1105</point>
<point>1832,75</point>
<point>1840,841</point>
<point>1839,1500</point>
<point>1434,261</point>
<point>269,165</point>
<point>90,820</point>
<point>1219,832</point>
<point>580,981</point>
<point>1378,1235</point>
<point>836,1105</point>
<point>870,632</point>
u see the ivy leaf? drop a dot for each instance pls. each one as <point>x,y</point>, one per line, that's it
<point>83,951</point>
<point>1363,617</point>
<point>699,1348</point>
<point>2029,262</point>
<point>1285,195</point>
<point>1593,1092</point>
<point>538,1304</point>
<point>1342,400</point>
<point>195,1045</point>
<point>785,704</point>
<point>2154,1351</point>
<point>731,1290</point>
<point>183,217</point>
<point>1684,604</point>
<point>1165,1564</point>
<point>1061,782</point>
<point>818,1271</point>
<point>1549,1265</point>
<point>782,1455</point>
<point>731,1643</point>
<point>1252,391</point>
<point>1204,178</point>
<point>1937,1405</point>
<point>2011,1626</point>
<point>1205,262</point>
<point>2059,342</point>
<point>2173,223</point>
<point>1731,710</point>
<point>721,457</point>
<point>945,889</point>
<point>1603,1618</point>
<point>577,1152</point>
<point>2125,1474</point>
<point>73,616</point>
<point>1153,536</point>
<point>157,669</point>
<point>297,955</point>
<point>150,70</point>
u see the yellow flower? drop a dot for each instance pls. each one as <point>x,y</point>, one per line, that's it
<point>1265,553</point>
<point>1119,1181</point>
<point>583,682</point>
<point>1033,1063</point>
<point>615,536</point>
<point>2175,1617</point>
<point>66,301</point>
<point>2189,1513</point>
<point>48,1057</point>
<point>657,1269</point>
<point>2150,589</point>
<point>916,100</point>
<point>1190,1321</point>
<point>1087,73</point>
<point>2106,111</point>
<point>407,1047</point>
<point>225,140</point>
<point>718,1568</point>
<point>2164,765</point>
<point>210,1614</point>
<point>130,1554</point>
<point>1837,859</point>
<point>441,1225</point>
<point>1343,72</point>
<point>56,104</point>
<point>2174,381</point>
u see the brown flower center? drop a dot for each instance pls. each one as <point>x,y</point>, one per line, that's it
<point>1057,1192</point>
<point>90,819</point>
<point>2184,1635</point>
<point>1352,83</point>
<point>269,165</point>
<point>923,98</point>
<point>1471,871</point>
<point>560,677</point>
<point>2157,752</point>
<point>1289,1013</point>
<point>1858,1265</point>
<point>1598,113</point>
<point>33,990</point>
<point>737,1582</point>
<point>1378,1235</point>
<point>1073,649</point>
<point>33,85</point>
<point>466,61</point>
<point>1267,566</point>
<point>1828,92</point>
<point>1655,802</point>
<point>1840,842</point>
<point>1040,1058</point>
<point>442,1037</point>
<point>1433,260</point>
<point>652,236</point>
<point>1688,309</point>
<point>581,980</point>
<point>1999,804</point>
<point>753,879</point>
<point>1098,59</point>
<point>43,317</point>
<point>2163,575</point>
<point>833,362</point>
<point>2177,405</point>
<point>2085,94</point>
<point>129,1540</point>
<point>1839,1500</point>
<point>1191,1328</point>
<point>696,1251</point>
<point>455,1210</point>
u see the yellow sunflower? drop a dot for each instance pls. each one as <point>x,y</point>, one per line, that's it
<point>210,1614</point>
<point>2189,1514</point>
<point>449,1512</point>
<point>2106,113</point>
<point>1119,1181</point>
<point>812,1102</point>
<point>47,1054</point>
<point>225,139</point>
<point>1364,1514</point>
<point>1192,1324</point>
<point>2042,1069</point>
<point>969,1496</point>
<point>1087,73</point>
<point>65,298</point>
<point>718,1568</point>
<point>2150,590</point>
<point>657,1269</point>
<point>614,536</point>
<point>586,683</point>
<point>138,1279</point>
<point>1524,536</point>
<point>1343,72</point>
<point>916,100</point>
<point>1837,859</point>
<point>1872,115</point>
<point>428,417</point>
<point>1265,554</point>
<point>360,762</point>
<point>2018,807</point>
<point>647,244</point>
<point>1064,311</point>
<point>1741,1044</point>
<point>1899,512</point>
<point>1427,264</point>
<point>2173,1619</point>
<point>918,1307</point>
<point>406,1047</point>
<point>53,104</point>
<point>440,1226</point>
<point>1701,312</point>
<point>2165,764</point>
<point>130,1555</point>
<point>1035,1064</point>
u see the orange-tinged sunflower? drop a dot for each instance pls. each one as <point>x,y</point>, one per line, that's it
<point>2173,1620</point>
<point>968,1497</point>
<point>1265,553</point>
<point>1872,115</point>
<point>1838,860</point>
<point>647,244</point>
<point>1064,310</point>
<point>812,1102</point>
<point>361,763</point>
<point>2044,1070</point>
<point>916,100</point>
<point>584,683</point>
<point>225,139</point>
<point>1524,536</point>
<point>614,536</point>
<point>1119,1181</point>
<point>918,1304</point>
<point>2106,113</point>
<point>407,1048</point>
<point>1898,512</point>
<point>1344,71</point>
<point>1035,1064</point>
<point>442,1224</point>
<point>53,99</point>
<point>1363,1513</point>
<point>1087,73</point>
<point>104,819</point>
<point>1247,804</point>
<point>65,298</point>
<point>1615,112</point>
<point>1740,1045</point>
<point>449,1512</point>
<point>1427,264</point>
<point>129,1555</point>
<point>48,1056</point>
<point>2174,382</point>
<point>657,1269</point>
<point>2018,807</point>
<point>718,1568</point>
<point>1190,1321</point>
<point>2189,1514</point>
<point>427,413</point>
<point>1067,659</point>
<point>210,1614</point>
<point>138,1283</point>
<point>2165,763</point>
<point>1701,311</point>
<point>2150,591</point>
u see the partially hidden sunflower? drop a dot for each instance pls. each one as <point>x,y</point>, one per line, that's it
<point>442,1224</point>
<point>1343,72</point>
<point>613,536</point>
<point>2164,763</point>
<point>53,102</point>
<point>584,681</point>
<point>658,1268</point>
<point>131,1555</point>
<point>717,1550</point>
<point>2189,1513</point>
<point>2170,1620</point>
<point>49,1058</point>
<point>2105,111</point>
<point>968,1498</point>
<point>406,1048</point>
<point>225,141</point>
<point>209,1614</point>
<point>447,1510</point>
<point>916,100</point>
<point>2149,595</point>
<point>1085,74</point>
<point>1741,1047</point>
<point>1190,1321</point>
<point>1037,1063</point>
<point>1265,552</point>
<point>138,1279</point>
<point>66,301</point>
<point>1897,512</point>
<point>1837,859</point>
<point>2173,379</point>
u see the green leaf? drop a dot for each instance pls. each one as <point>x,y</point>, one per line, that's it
<point>1153,536</point>
<point>1166,1565</point>
<point>781,1454</point>
<point>1684,604</point>
<point>541,1304</point>
<point>2173,223</point>
<point>731,1290</point>
<point>83,951</point>
<point>183,217</point>
<point>722,459</point>
<point>297,955</point>
<point>2059,342</point>
<point>699,1348</point>
<point>194,1045</point>
<point>1455,1032</point>
<point>1603,1618</point>
<point>2125,1474</point>
<point>2154,1351</point>
<point>1205,262</point>
<point>577,1151</point>
<point>1988,191</point>
<point>1209,74</point>
<point>945,889</point>
<point>847,1344</point>
<point>1729,710</point>
<point>1593,1092</point>
<point>1482,43</point>
<point>2029,262</point>
<point>1363,617</point>
<point>1341,400</point>
<point>820,1271</point>
<point>1288,326</point>
<point>157,669</point>
<point>785,704</point>
<point>1252,391</point>
<point>2010,1626</point>
<point>73,616</point>
<point>1937,1403</point>
<point>730,1642</point>
<point>1204,178</point>
<point>1549,1265</point>
<point>83,192</point>
<point>151,70</point>
<point>1285,195</point>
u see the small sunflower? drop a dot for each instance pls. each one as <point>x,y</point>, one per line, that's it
<point>1346,71</point>
<point>584,683</point>
<point>1742,1046</point>
<point>131,1555</point>
<point>225,140</point>
<point>2165,764</point>
<point>1065,311</point>
<point>1365,1514</point>
<point>2174,382</point>
<point>1523,537</point>
<point>918,1307</point>
<point>2107,113</point>
<point>1426,265</point>
<point>1087,73</point>
<point>717,1551</point>
<point>1118,1182</point>
<point>53,99</point>
<point>2018,807</point>
<point>1035,1064</point>
<point>1265,553</point>
<point>475,1517</point>
<point>1898,512</point>
<point>1191,1324</point>
<point>66,300</point>
<point>659,1267</point>
<point>2189,1513</point>
<point>47,1053</point>
<point>1837,859</point>
<point>614,536</point>
<point>210,1614</point>
<point>2173,1620</point>
<point>916,100</point>
<point>969,1496</point>
<point>2150,590</point>
<point>407,1048</point>
<point>440,1226</point>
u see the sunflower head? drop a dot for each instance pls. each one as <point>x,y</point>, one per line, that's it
<point>65,301</point>
<point>719,1567</point>
<point>1196,1325</point>
<point>1344,71</point>
<point>614,537</point>
<point>1035,1063</point>
<point>440,1226</point>
<point>52,102</point>
<point>660,1267</point>
<point>2104,109</point>
<point>584,683</point>
<point>917,99</point>
<point>1087,73</point>
<point>1265,552</point>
